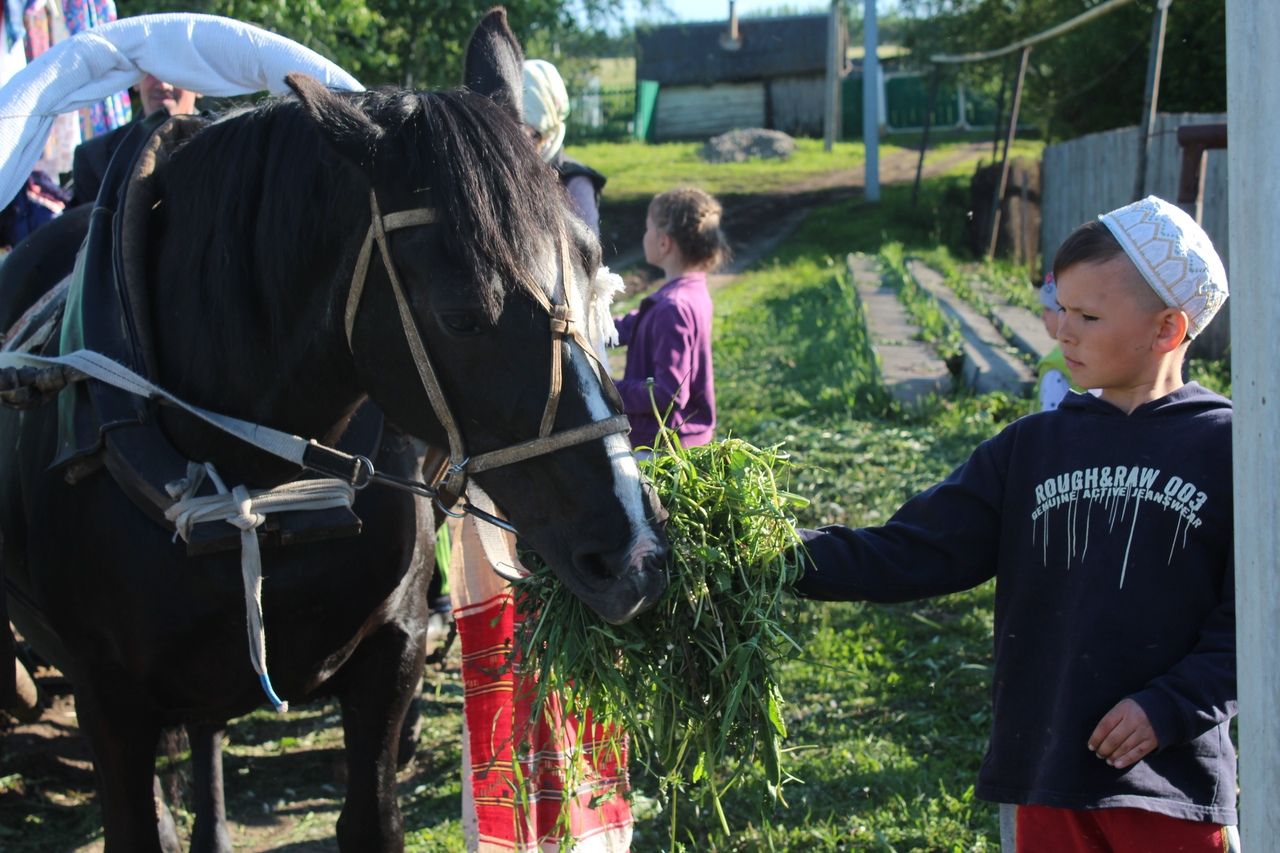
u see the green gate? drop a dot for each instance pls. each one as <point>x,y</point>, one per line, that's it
<point>907,102</point>
<point>646,109</point>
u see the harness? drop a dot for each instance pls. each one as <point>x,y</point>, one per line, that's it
<point>451,483</point>
<point>20,373</point>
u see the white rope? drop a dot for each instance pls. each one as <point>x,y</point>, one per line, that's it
<point>98,366</point>
<point>239,507</point>
<point>246,511</point>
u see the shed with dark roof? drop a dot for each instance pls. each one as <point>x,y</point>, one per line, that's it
<point>772,74</point>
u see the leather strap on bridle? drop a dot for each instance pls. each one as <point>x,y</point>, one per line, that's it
<point>563,330</point>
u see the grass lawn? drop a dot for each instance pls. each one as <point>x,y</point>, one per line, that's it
<point>637,172</point>
<point>888,705</point>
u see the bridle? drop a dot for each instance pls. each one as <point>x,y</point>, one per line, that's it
<point>448,486</point>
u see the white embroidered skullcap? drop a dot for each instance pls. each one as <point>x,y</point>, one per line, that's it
<point>1174,255</point>
<point>546,105</point>
<point>1049,292</point>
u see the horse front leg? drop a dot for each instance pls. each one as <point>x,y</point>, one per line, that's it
<point>210,833</point>
<point>377,684</point>
<point>123,738</point>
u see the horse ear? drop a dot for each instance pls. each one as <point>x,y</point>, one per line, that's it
<point>495,63</point>
<point>344,125</point>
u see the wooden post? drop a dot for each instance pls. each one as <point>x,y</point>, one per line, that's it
<point>924,139</point>
<point>1024,253</point>
<point>1151,98</point>
<point>995,130</point>
<point>1196,140</point>
<point>1004,160</point>
<point>832,88</point>
<point>1253,122</point>
<point>871,100</point>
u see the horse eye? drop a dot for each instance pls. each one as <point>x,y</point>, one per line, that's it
<point>460,323</point>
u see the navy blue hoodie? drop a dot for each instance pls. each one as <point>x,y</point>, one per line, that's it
<point>1110,537</point>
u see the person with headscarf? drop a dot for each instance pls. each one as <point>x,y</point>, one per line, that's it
<point>546,108</point>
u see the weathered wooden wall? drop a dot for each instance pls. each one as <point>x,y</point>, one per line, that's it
<point>790,104</point>
<point>1253,102</point>
<point>796,105</point>
<point>1095,173</point>
<point>698,112</point>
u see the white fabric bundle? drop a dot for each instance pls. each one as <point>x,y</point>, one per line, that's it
<point>202,53</point>
<point>601,330</point>
<point>546,105</point>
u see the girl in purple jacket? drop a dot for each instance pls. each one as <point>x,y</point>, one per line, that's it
<point>668,338</point>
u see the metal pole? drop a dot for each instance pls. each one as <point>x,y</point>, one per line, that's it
<point>871,100</point>
<point>1151,99</point>
<point>1253,122</point>
<point>924,139</point>
<point>1004,160</point>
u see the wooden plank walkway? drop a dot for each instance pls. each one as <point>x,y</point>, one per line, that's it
<point>991,363</point>
<point>909,368</point>
<point>1023,328</point>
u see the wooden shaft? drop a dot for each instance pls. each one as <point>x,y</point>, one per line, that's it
<point>1003,183</point>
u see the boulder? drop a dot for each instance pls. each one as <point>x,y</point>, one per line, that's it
<point>738,146</point>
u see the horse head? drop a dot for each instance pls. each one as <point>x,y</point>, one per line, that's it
<point>461,319</point>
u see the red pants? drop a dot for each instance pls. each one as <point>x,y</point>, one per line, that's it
<point>1042,829</point>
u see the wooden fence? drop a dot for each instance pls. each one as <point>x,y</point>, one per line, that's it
<point>1095,173</point>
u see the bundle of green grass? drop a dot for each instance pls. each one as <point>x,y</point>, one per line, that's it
<point>694,681</point>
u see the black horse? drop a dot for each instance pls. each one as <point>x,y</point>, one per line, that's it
<point>255,235</point>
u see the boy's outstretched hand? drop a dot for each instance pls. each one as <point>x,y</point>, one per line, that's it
<point>1124,736</point>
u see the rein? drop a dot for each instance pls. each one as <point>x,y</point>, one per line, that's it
<point>449,486</point>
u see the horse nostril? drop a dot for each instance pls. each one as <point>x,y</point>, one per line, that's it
<point>593,567</point>
<point>652,576</point>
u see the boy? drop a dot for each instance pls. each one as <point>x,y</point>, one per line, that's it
<point>1108,525</point>
<point>1054,380</point>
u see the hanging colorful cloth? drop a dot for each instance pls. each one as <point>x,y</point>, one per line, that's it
<point>510,806</point>
<point>45,27</point>
<point>116,110</point>
<point>13,56</point>
<point>35,20</point>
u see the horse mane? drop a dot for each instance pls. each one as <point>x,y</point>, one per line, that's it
<point>275,202</point>
<point>503,201</point>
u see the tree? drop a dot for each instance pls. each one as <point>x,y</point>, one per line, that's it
<point>414,43</point>
<point>1093,77</point>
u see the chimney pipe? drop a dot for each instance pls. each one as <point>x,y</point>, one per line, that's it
<point>729,39</point>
